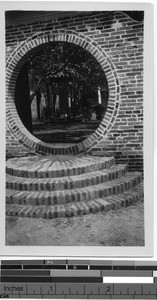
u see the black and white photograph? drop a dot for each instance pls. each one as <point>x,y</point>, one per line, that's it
<point>76,89</point>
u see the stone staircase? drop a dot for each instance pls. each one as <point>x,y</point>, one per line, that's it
<point>65,186</point>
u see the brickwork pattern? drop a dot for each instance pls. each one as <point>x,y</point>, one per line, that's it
<point>116,41</point>
<point>68,187</point>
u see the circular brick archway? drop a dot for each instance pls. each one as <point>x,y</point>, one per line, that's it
<point>14,64</point>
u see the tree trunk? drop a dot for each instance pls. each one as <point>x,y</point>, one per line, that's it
<point>38,98</point>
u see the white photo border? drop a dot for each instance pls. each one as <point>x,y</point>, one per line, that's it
<point>80,251</point>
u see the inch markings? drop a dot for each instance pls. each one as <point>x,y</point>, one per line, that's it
<point>82,279</point>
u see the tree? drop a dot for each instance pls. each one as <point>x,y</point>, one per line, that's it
<point>66,60</point>
<point>76,71</point>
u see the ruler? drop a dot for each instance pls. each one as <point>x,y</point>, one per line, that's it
<point>78,279</point>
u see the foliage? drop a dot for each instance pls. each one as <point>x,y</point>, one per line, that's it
<point>68,62</point>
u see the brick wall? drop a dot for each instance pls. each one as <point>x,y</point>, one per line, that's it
<point>116,41</point>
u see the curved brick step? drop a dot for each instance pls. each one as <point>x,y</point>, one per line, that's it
<point>79,208</point>
<point>61,183</point>
<point>76,195</point>
<point>56,166</point>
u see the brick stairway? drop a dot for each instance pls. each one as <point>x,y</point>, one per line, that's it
<point>60,186</point>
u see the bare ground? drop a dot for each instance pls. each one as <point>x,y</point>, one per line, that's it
<point>124,227</point>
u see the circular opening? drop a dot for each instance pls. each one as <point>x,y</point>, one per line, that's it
<point>61,93</point>
<point>13,67</point>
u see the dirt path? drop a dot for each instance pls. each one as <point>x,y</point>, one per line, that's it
<point>124,227</point>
